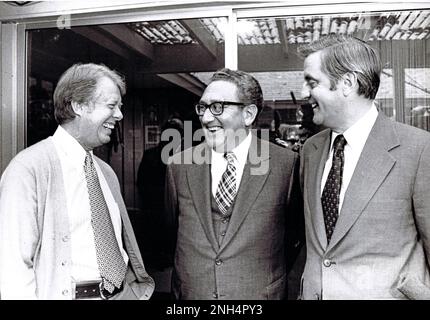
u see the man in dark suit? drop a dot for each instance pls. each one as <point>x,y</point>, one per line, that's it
<point>365,183</point>
<point>151,178</point>
<point>228,198</point>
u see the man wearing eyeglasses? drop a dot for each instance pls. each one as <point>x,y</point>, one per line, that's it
<point>230,212</point>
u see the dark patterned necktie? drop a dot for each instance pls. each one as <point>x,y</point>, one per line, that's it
<point>227,189</point>
<point>109,259</point>
<point>331,192</point>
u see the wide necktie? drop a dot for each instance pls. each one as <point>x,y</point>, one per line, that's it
<point>331,192</point>
<point>110,261</point>
<point>227,189</point>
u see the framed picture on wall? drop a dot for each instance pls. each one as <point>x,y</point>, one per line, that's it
<point>152,136</point>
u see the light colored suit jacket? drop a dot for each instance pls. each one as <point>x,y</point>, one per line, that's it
<point>250,261</point>
<point>380,247</point>
<point>33,218</point>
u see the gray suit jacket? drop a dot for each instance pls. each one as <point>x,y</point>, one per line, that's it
<point>382,234</point>
<point>251,257</point>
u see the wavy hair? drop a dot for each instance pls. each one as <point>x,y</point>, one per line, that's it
<point>249,90</point>
<point>342,54</point>
<point>79,84</point>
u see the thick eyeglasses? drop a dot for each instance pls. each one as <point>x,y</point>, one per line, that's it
<point>216,108</point>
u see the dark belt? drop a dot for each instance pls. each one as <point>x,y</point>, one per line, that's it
<point>94,290</point>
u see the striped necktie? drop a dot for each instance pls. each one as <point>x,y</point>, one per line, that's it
<point>109,259</point>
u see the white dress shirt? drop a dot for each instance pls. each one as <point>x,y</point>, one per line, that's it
<point>72,156</point>
<point>219,163</point>
<point>356,137</point>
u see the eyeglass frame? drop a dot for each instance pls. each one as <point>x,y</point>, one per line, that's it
<point>209,106</point>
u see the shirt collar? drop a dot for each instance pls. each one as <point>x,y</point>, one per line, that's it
<point>356,135</point>
<point>70,147</point>
<point>241,151</point>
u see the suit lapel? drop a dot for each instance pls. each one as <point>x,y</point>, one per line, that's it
<point>250,187</point>
<point>199,183</point>
<point>373,166</point>
<point>317,160</point>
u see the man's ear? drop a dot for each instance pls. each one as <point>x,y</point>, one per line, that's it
<point>349,83</point>
<point>251,112</point>
<point>77,108</point>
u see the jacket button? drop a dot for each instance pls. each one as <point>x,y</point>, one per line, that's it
<point>65,292</point>
<point>327,263</point>
<point>65,238</point>
<point>218,262</point>
<point>225,220</point>
<point>64,263</point>
<point>223,233</point>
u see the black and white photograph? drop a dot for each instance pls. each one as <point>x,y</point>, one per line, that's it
<point>211,156</point>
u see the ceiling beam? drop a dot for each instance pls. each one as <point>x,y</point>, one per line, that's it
<point>193,57</point>
<point>185,81</point>
<point>201,35</point>
<point>282,31</point>
<point>130,39</point>
<point>97,36</point>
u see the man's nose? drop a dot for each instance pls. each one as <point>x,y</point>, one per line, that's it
<point>305,91</point>
<point>117,114</point>
<point>207,116</point>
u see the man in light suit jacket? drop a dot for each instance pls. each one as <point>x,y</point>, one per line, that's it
<point>365,183</point>
<point>64,228</point>
<point>231,239</point>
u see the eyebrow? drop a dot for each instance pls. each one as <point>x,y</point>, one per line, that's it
<point>208,102</point>
<point>114,100</point>
<point>308,78</point>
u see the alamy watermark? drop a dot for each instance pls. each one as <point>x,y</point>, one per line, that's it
<point>64,21</point>
<point>180,146</point>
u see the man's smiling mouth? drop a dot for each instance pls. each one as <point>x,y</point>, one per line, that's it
<point>214,129</point>
<point>109,125</point>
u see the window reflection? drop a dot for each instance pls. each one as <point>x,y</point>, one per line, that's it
<point>267,48</point>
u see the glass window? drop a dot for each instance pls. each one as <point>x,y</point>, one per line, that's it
<point>158,60</point>
<point>417,96</point>
<point>267,48</point>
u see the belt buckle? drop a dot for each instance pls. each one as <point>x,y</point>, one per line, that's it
<point>102,290</point>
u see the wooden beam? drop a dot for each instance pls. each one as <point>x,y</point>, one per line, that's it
<point>183,58</point>
<point>280,24</point>
<point>131,39</point>
<point>185,81</point>
<point>97,36</point>
<point>201,35</point>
